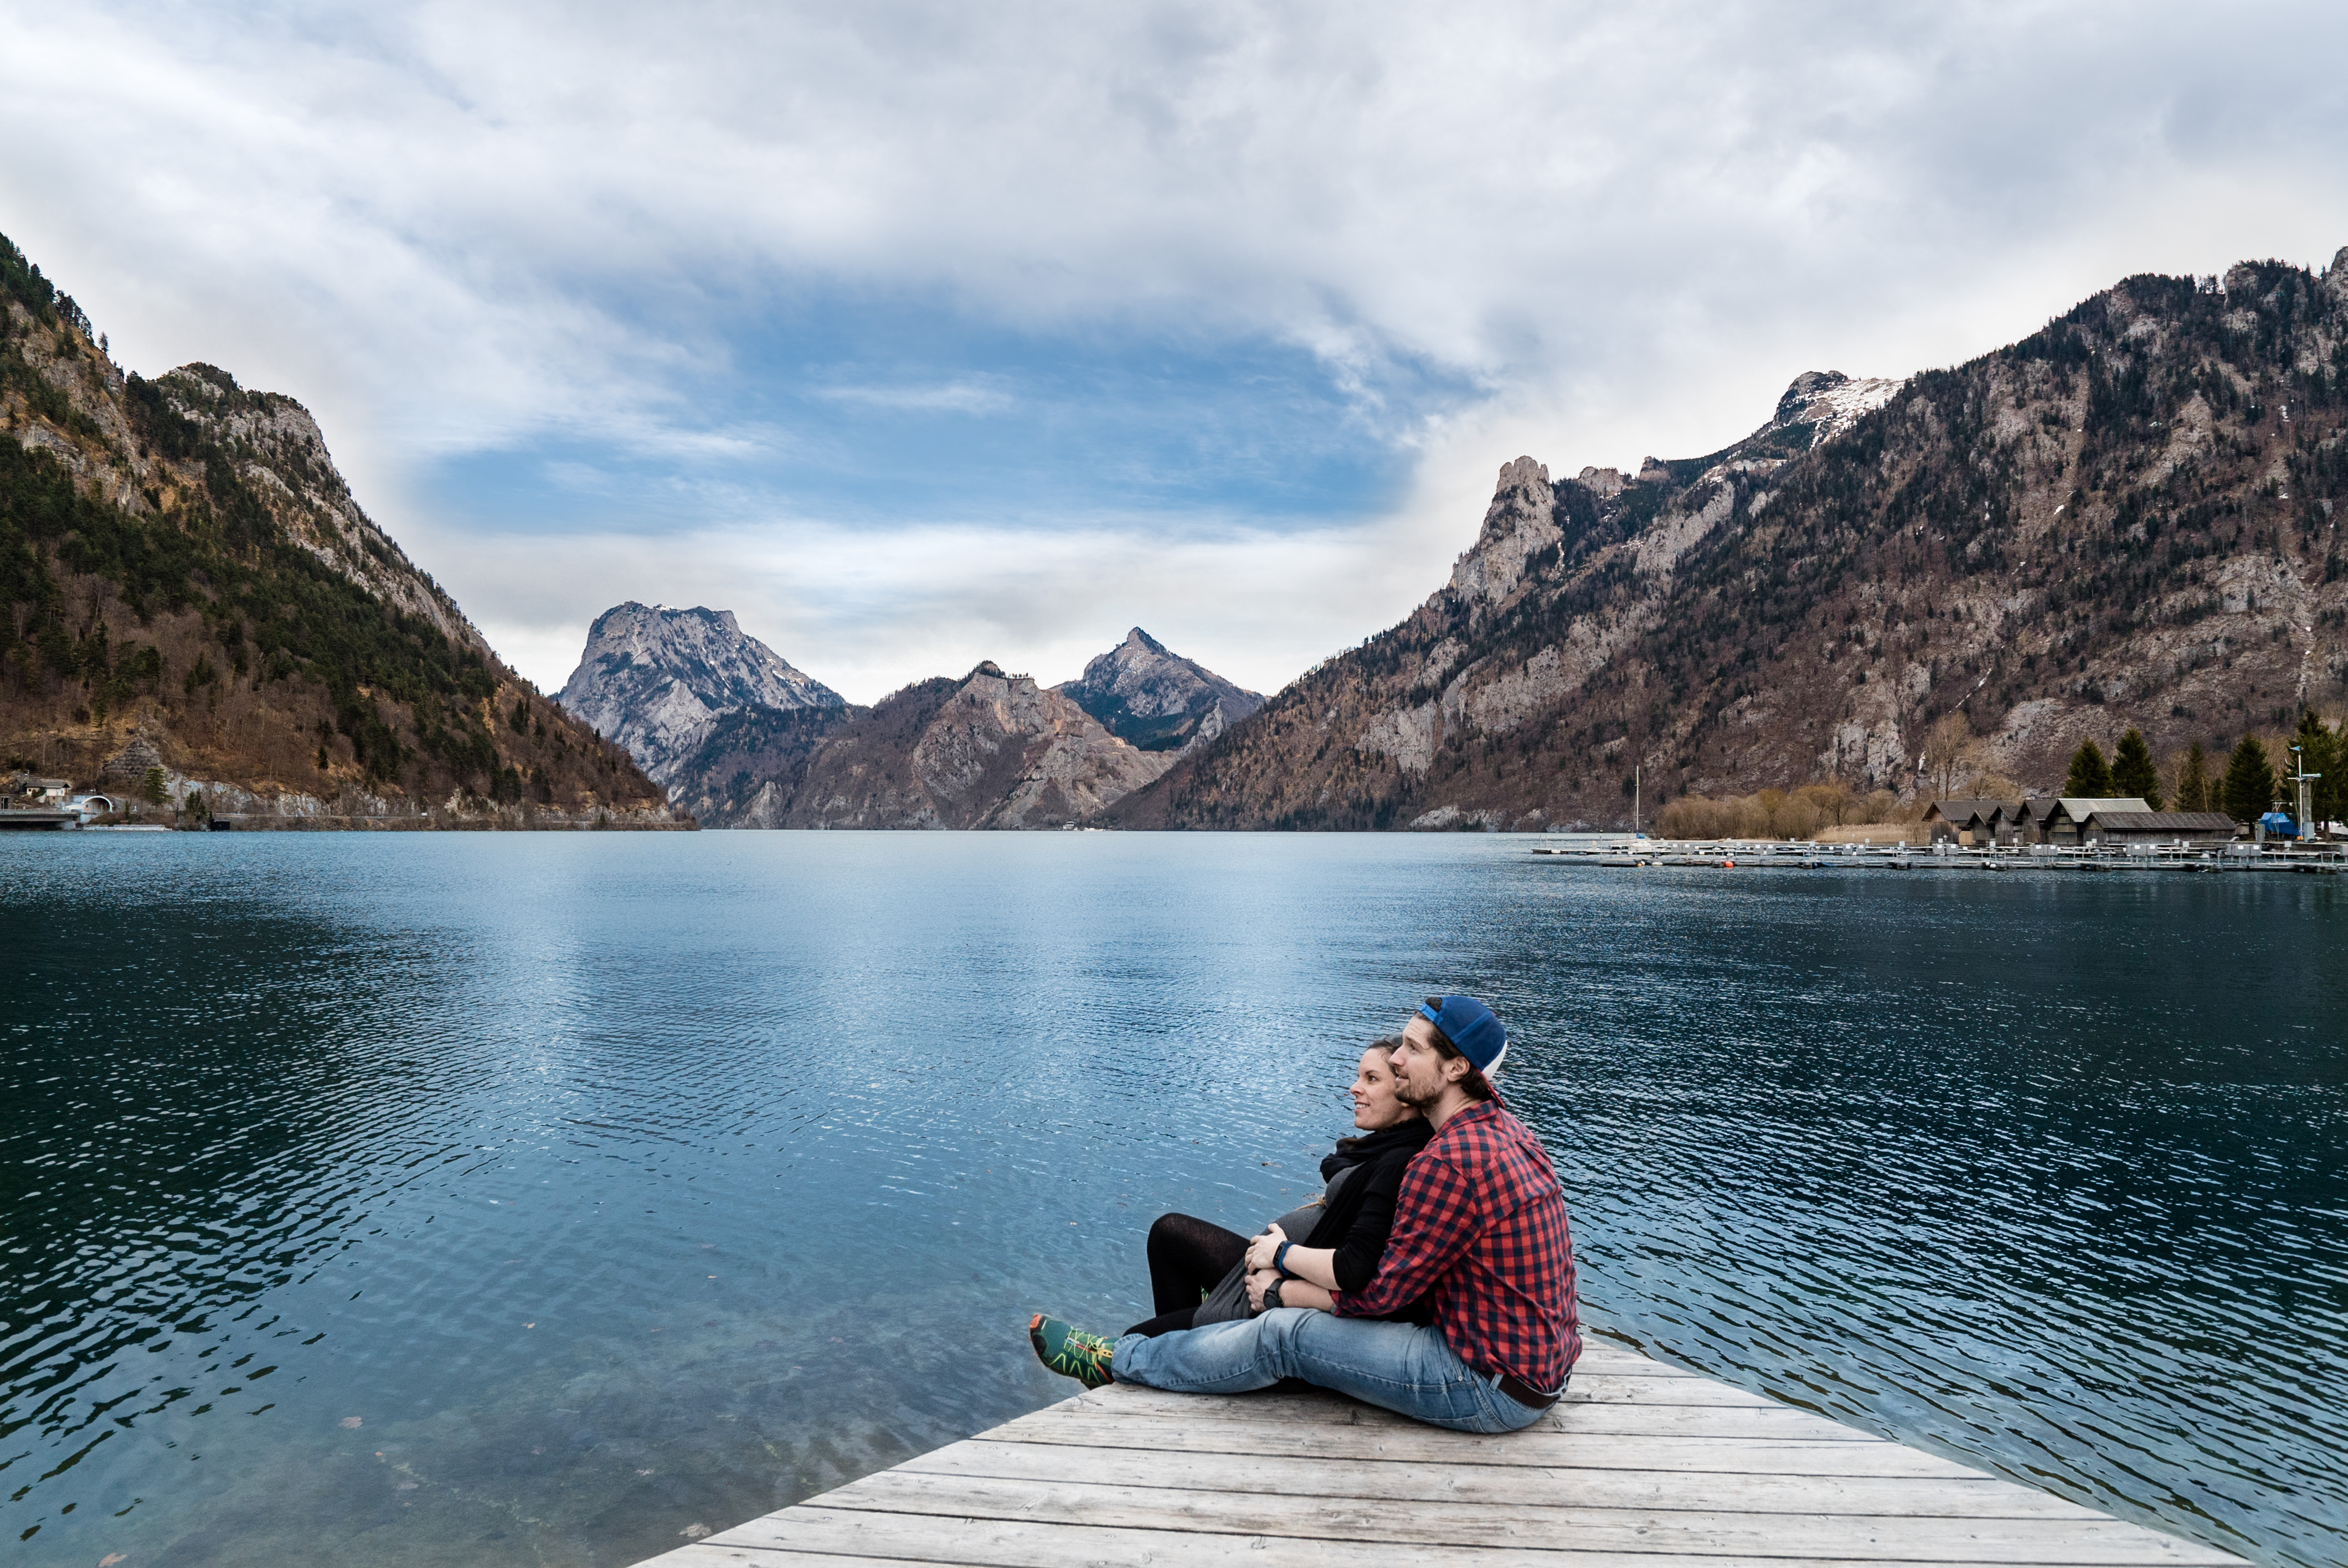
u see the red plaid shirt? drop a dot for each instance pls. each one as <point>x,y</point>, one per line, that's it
<point>1481,1221</point>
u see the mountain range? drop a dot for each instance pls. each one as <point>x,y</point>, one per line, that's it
<point>743,739</point>
<point>2127,519</point>
<point>2124,520</point>
<point>989,749</point>
<point>196,604</point>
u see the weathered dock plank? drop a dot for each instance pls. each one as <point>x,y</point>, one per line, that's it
<point>1642,1466</point>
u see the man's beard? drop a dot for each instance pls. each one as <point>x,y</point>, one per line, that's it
<point>1404,1092</point>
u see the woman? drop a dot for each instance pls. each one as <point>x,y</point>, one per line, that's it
<point>1197,1270</point>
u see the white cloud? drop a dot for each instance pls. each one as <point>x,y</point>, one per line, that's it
<point>975,395</point>
<point>1257,607</point>
<point>455,226</point>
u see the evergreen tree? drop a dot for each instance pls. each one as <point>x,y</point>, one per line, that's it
<point>2318,753</point>
<point>2193,780</point>
<point>2331,795</point>
<point>2132,770</point>
<point>2090,775</point>
<point>2249,782</point>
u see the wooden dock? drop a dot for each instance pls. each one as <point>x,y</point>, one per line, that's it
<point>1641,1466</point>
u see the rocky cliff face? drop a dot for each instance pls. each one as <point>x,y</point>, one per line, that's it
<point>658,679</point>
<point>1160,701</point>
<point>183,570</point>
<point>990,750</point>
<point>2126,519</point>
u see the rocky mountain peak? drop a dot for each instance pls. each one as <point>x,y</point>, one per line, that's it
<point>1830,402</point>
<point>655,679</point>
<point>1518,523</point>
<point>1145,693</point>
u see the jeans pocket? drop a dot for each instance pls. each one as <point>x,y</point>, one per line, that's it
<point>1506,1414</point>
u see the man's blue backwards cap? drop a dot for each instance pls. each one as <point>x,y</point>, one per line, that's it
<point>1471,1029</point>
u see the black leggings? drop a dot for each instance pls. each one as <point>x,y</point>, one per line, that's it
<point>1188,1258</point>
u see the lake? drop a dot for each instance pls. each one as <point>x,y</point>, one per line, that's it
<point>412,1199</point>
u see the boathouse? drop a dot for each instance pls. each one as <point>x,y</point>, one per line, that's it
<point>2060,819</point>
<point>2195,828</point>
<point>2028,823</point>
<point>1968,821</point>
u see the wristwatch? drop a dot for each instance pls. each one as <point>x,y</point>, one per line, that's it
<point>1272,1294</point>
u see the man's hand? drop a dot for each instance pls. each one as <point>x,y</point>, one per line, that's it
<point>1261,1250</point>
<point>1260,1280</point>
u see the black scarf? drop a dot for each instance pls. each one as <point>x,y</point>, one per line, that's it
<point>1411,1135</point>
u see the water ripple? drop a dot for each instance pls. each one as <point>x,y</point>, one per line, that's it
<point>481,1197</point>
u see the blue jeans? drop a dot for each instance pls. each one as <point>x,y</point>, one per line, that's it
<point>1406,1368</point>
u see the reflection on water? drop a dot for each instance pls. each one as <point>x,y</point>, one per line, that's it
<point>545,1198</point>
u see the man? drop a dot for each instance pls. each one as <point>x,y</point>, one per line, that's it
<point>1480,1223</point>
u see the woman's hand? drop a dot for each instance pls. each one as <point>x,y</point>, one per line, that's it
<point>1265,1248</point>
<point>1260,1280</point>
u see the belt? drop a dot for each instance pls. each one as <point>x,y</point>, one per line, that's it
<point>1525,1394</point>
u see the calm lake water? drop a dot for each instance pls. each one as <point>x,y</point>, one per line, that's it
<point>403,1199</point>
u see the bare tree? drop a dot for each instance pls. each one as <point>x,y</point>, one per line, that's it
<point>1944,753</point>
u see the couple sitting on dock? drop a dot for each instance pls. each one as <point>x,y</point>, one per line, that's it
<point>1435,1277</point>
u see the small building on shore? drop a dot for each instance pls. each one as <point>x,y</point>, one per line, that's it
<point>2199,829</point>
<point>1978,821</point>
<point>2061,819</point>
<point>2028,823</point>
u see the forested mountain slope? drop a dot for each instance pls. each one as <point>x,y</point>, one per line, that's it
<point>184,577</point>
<point>2126,519</point>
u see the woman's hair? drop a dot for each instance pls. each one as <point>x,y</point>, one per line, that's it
<point>1476,1086</point>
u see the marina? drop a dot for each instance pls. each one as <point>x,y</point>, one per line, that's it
<point>1628,854</point>
<point>1641,1465</point>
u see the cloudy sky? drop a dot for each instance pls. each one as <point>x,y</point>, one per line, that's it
<point>919,333</point>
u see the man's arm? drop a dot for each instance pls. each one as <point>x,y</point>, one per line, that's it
<point>1316,1264</point>
<point>1354,1261</point>
<point>1293,1291</point>
<point>1434,1224</point>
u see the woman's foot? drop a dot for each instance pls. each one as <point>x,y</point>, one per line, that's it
<point>1070,1351</point>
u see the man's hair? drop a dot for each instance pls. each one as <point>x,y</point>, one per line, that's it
<point>1476,1086</point>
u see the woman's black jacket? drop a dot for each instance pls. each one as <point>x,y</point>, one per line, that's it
<point>1360,1210</point>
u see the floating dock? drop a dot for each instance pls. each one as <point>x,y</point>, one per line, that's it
<point>2331,859</point>
<point>1641,1465</point>
<point>37,820</point>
